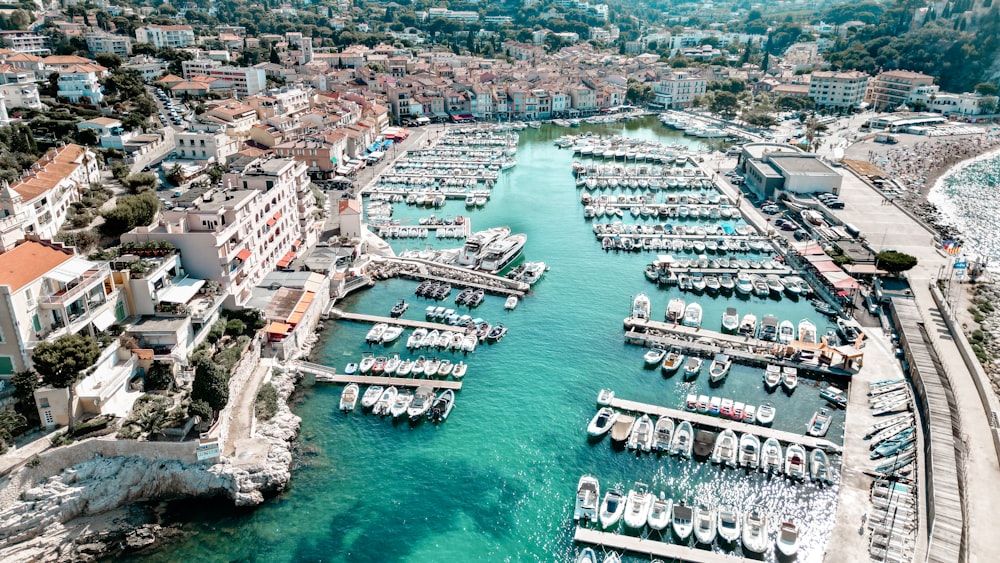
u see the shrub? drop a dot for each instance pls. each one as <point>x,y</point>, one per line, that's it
<point>128,432</point>
<point>159,377</point>
<point>92,425</point>
<point>201,409</point>
<point>267,401</point>
<point>235,327</point>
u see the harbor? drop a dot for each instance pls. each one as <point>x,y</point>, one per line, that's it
<point>650,547</point>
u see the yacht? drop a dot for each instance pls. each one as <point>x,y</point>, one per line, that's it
<point>533,271</point>
<point>501,253</point>
<point>719,368</point>
<point>704,525</point>
<point>730,320</point>
<point>612,508</point>
<point>754,533</point>
<point>640,307</point>
<point>588,493</point>
<point>675,310</point>
<point>692,315</point>
<point>637,506</point>
<point>475,246</point>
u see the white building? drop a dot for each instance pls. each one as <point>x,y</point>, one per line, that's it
<point>946,103</point>
<point>120,45</point>
<point>679,89</point>
<point>148,68</point>
<point>161,36</point>
<point>81,84</point>
<point>26,42</point>
<point>245,81</point>
<point>830,89</point>
<point>198,67</point>
<point>18,88</point>
<point>205,142</point>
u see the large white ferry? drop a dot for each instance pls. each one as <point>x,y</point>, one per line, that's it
<point>500,254</point>
<point>477,243</point>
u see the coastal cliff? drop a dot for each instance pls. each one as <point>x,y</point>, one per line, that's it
<point>68,505</point>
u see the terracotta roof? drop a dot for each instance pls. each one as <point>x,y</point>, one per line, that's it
<point>29,261</point>
<point>187,85</point>
<point>349,204</point>
<point>24,57</point>
<point>170,78</point>
<point>54,166</point>
<point>66,60</point>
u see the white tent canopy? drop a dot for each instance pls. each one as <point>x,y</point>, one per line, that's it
<point>182,291</point>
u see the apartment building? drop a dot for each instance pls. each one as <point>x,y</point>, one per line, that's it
<point>321,153</point>
<point>81,84</point>
<point>161,36</point>
<point>583,98</point>
<point>148,68</point>
<point>205,142</point>
<point>283,102</point>
<point>245,81</point>
<point>26,42</point>
<point>18,88</point>
<point>679,89</point>
<point>831,89</point>
<point>892,88</point>
<point>946,103</point>
<point>198,67</point>
<point>120,45</point>
<point>237,117</point>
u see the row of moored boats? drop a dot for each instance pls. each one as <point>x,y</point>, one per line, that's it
<point>406,367</point>
<point>390,401</point>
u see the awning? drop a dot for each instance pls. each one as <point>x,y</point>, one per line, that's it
<point>277,215</point>
<point>271,222</point>
<point>71,269</point>
<point>286,260</point>
<point>243,255</point>
<point>105,319</point>
<point>181,292</point>
<point>278,328</point>
<point>296,243</point>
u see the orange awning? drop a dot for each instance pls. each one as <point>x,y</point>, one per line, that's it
<point>277,216</point>
<point>296,243</point>
<point>271,222</point>
<point>243,255</point>
<point>278,328</point>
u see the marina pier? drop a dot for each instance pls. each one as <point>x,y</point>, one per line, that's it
<point>375,319</point>
<point>416,268</point>
<point>651,547</point>
<point>327,375</point>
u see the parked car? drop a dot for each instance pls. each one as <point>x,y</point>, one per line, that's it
<point>835,204</point>
<point>771,209</point>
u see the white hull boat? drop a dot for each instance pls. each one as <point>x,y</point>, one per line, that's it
<point>401,404</point>
<point>588,498</point>
<point>637,506</point>
<point>788,539</point>
<point>421,403</point>
<point>705,525</point>
<point>641,437</point>
<point>442,406</point>
<point>654,357</point>
<point>754,533</point>
<point>683,439</point>
<point>659,513</point>
<point>640,307</point>
<point>692,315</point>
<point>682,521</point>
<point>371,396</point>
<point>349,397</point>
<point>458,372</point>
<point>795,462</point>
<point>612,508</point>
<point>765,414</point>
<point>726,448</point>
<point>602,422</point>
<point>719,368</point>
<point>749,451</point>
<point>729,524</point>
<point>385,402</point>
<point>662,434</point>
<point>391,333</point>
<point>770,457</point>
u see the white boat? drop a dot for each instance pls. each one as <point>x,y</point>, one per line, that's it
<point>750,414</point>
<point>401,404</point>
<point>786,332</point>
<point>605,396</point>
<point>510,303</point>
<point>367,362</point>
<point>416,338</point>
<point>765,414</point>
<point>622,428</point>
<point>820,423</point>
<point>431,339</point>
<point>662,434</point>
<point>431,367</point>
<point>458,372</point>
<point>788,539</point>
<point>602,422</point>
<point>795,462</point>
<point>533,271</point>
<point>385,401</point>
<point>748,326</point>
<point>444,368</point>
<point>612,557</point>
<point>730,320</point>
<point>349,397</point>
<point>673,362</point>
<point>500,254</point>
<point>421,403</point>
<point>719,368</point>
<point>744,285</point>
<point>588,498</point>
<point>789,378</point>
<point>474,247</point>
<point>726,448</point>
<point>772,377</point>
<point>819,466</point>
<point>692,367</point>
<point>371,396</point>
<point>682,520</point>
<point>641,436</point>
<point>675,310</point>
<point>442,406</point>
<point>754,534</point>
<point>637,506</point>
<point>729,523</point>
<point>418,366</point>
<point>469,342</point>
<point>683,439</point>
<point>692,315</point>
<point>659,513</point>
<point>375,333</point>
<point>807,331</point>
<point>654,357</point>
<point>749,451</point>
<point>640,307</point>
<point>704,525</point>
<point>587,555</point>
<point>770,457</point>
<point>612,508</point>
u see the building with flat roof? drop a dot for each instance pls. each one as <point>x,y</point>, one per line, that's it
<point>771,168</point>
<point>830,89</point>
<point>120,45</point>
<point>160,36</point>
<point>892,88</point>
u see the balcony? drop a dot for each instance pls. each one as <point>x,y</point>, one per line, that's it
<point>75,289</point>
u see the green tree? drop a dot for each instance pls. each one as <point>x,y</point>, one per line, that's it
<point>724,103</point>
<point>211,384</point>
<point>12,423</point>
<point>812,130</point>
<point>894,262</point>
<point>62,362</point>
<point>110,61</point>
<point>25,383</point>
<point>130,212</point>
<point>159,377</point>
<point>986,89</point>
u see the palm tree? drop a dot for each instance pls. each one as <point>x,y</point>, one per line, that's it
<point>813,128</point>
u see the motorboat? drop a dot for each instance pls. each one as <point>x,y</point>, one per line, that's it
<point>431,340</point>
<point>374,334</point>
<point>789,378</point>
<point>672,362</point>
<point>820,423</point>
<point>760,288</point>
<point>819,466</point>
<point>640,307</point>
<point>401,404</point>
<point>704,402</point>
<point>715,405</point>
<point>748,326</point>
<point>612,557</point>
<point>662,434</point>
<point>770,457</point>
<point>399,308</point>
<point>654,357</point>
<point>792,287</point>
<point>692,366</point>
<point>774,285</point>
<point>807,331</point>
<point>442,406</point>
<point>641,436</point>
<point>744,285</point>
<point>772,376</point>
<point>371,396</point>
<point>421,403</point>
<point>379,366</point>
<point>459,369</point>
<point>683,439</point>
<point>510,303</point>
<point>726,407</point>
<point>496,333</point>
<point>385,401</point>
<point>765,414</point>
<point>431,367</point>
<point>602,422</point>
<point>500,254</point>
<point>587,555</point>
<point>849,330</point>
<point>445,367</point>
<point>391,365</point>
<point>475,245</point>
<point>768,328</point>
<point>692,315</point>
<point>416,338</point>
<point>795,462</point>
<point>605,396</point>
<point>659,513</point>
<point>788,539</point>
<point>533,271</point>
<point>726,448</point>
<point>367,361</point>
<point>692,402</point>
<point>675,310</point>
<point>727,283</point>
<point>349,397</point>
<point>749,455</point>
<point>730,320</point>
<point>588,495</point>
<point>750,414</point>
<point>719,368</point>
<point>469,342</point>
<point>754,533</point>
<point>682,521</point>
<point>786,332</point>
<point>612,508</point>
<point>637,505</point>
<point>622,427</point>
<point>729,524</point>
<point>704,524</point>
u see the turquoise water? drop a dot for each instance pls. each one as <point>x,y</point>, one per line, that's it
<point>496,482</point>
<point>968,199</point>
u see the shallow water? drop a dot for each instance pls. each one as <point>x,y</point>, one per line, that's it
<point>969,200</point>
<point>496,482</point>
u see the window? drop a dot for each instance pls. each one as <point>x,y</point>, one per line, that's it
<point>36,323</point>
<point>6,365</point>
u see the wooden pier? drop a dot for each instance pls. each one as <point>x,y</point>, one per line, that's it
<point>655,548</point>
<point>328,375</point>
<point>504,287</point>
<point>720,424</point>
<point>375,319</point>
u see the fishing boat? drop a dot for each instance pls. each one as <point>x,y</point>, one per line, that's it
<point>587,555</point>
<point>349,397</point>
<point>704,525</point>
<point>351,368</point>
<point>765,413</point>
<point>754,534</point>
<point>399,308</point>
<point>749,456</point>
<point>442,406</point>
<point>401,404</point>
<point>730,320</point>
<point>421,403</point>
<point>820,423</point>
<point>497,333</point>
<point>692,367</point>
<point>662,434</point>
<point>612,508</point>
<point>682,521</point>
<point>588,495</point>
<point>385,401</point>
<point>391,365</point>
<point>475,245</point>
<point>641,436</point>
<point>683,440</point>
<point>672,362</point>
<point>744,285</point>
<point>819,466</point>
<point>729,524</point>
<point>726,448</point>
<point>371,396</point>
<point>786,331</point>
<point>416,339</point>
<point>367,361</point>
<point>807,331</point>
<point>602,422</point>
<point>640,307</point>
<point>622,427</point>
<point>654,357</point>
<point>770,457</point>
<point>795,462</point>
<point>692,315</point>
<point>637,505</point>
<point>772,378</point>
<point>719,368</point>
<point>605,396</point>
<point>500,254</point>
<point>789,378</point>
<point>511,303</point>
<point>675,310</point>
<point>748,326</point>
<point>374,334</point>
<point>659,513</point>
<point>788,539</point>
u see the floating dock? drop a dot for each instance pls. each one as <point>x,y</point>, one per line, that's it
<point>375,319</point>
<point>668,551</point>
<point>328,375</point>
